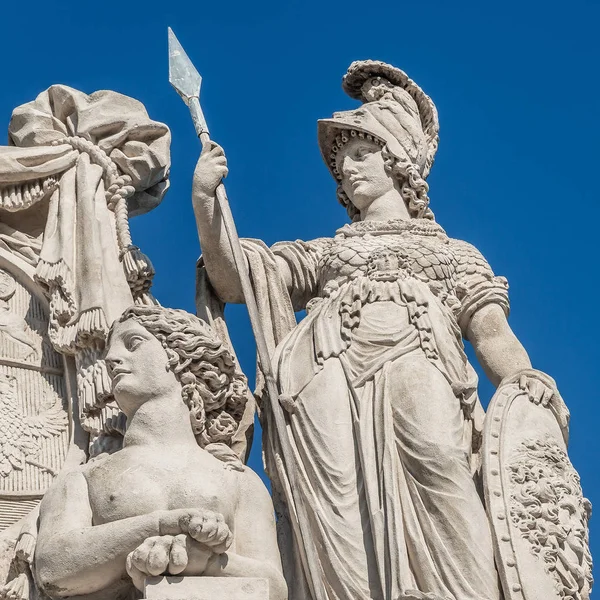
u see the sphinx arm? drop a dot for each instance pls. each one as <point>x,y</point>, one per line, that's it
<point>73,556</point>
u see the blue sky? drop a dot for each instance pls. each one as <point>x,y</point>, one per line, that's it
<point>516,86</point>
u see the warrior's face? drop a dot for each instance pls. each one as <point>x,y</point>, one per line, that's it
<point>138,366</point>
<point>362,169</point>
<point>571,515</point>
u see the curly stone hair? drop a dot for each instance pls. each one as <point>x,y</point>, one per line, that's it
<point>544,483</point>
<point>213,388</point>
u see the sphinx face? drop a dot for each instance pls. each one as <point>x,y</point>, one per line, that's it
<point>138,366</point>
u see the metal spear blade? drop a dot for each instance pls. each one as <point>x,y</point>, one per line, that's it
<point>182,73</point>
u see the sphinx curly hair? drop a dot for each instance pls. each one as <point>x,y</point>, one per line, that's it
<point>413,188</point>
<point>213,388</point>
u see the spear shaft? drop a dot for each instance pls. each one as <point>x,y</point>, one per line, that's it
<point>186,80</point>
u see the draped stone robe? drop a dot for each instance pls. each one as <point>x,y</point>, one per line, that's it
<point>383,415</point>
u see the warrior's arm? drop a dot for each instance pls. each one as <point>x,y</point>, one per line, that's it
<point>502,356</point>
<point>256,553</point>
<point>216,250</point>
<point>496,346</point>
<point>483,321</point>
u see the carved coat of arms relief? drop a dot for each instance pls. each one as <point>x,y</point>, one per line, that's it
<point>34,424</point>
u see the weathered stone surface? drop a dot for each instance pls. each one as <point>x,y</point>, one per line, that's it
<point>76,165</point>
<point>206,588</point>
<point>175,499</point>
<point>538,513</point>
<point>33,402</point>
<point>380,498</point>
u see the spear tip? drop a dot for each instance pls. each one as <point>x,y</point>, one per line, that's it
<point>183,76</point>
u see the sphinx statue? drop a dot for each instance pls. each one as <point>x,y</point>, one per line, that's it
<point>175,499</point>
<point>77,167</point>
<point>392,447</point>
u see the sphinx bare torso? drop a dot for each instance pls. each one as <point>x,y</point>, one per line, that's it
<point>141,480</point>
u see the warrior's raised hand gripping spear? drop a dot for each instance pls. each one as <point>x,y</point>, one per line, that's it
<point>186,80</point>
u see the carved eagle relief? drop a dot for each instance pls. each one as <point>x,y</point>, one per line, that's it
<point>21,435</point>
<point>16,329</point>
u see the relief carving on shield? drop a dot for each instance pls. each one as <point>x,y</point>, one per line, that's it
<point>34,423</point>
<point>534,501</point>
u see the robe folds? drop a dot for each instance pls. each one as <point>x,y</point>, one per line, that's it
<point>382,412</point>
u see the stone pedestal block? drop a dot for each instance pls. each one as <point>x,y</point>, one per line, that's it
<point>206,588</point>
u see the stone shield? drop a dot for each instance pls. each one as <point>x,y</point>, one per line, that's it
<point>34,402</point>
<point>538,514</point>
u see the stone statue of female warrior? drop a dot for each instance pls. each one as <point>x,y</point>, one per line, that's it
<point>382,406</point>
<point>175,499</point>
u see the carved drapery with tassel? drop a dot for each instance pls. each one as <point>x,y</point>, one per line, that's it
<point>97,160</point>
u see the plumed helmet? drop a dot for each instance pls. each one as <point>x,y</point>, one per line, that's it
<point>395,112</point>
